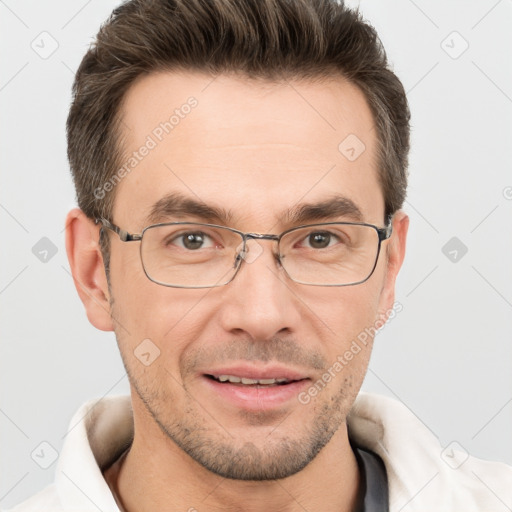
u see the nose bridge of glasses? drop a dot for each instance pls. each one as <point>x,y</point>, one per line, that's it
<point>260,236</point>
<point>250,252</point>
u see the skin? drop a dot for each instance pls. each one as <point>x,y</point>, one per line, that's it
<point>256,150</point>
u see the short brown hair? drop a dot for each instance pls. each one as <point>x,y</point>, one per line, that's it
<point>269,39</point>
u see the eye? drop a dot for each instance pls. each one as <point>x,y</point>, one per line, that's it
<point>193,241</point>
<point>320,240</point>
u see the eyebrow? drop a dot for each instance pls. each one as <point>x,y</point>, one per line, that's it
<point>333,208</point>
<point>178,205</point>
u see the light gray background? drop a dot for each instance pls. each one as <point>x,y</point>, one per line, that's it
<point>447,355</point>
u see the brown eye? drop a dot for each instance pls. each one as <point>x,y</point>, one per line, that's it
<point>319,240</point>
<point>190,240</point>
<point>193,241</point>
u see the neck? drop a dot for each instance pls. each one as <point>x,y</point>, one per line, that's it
<point>149,481</point>
<point>157,475</point>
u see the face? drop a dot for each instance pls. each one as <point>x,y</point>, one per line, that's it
<point>250,156</point>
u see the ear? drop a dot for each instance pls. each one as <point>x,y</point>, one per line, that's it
<point>394,254</point>
<point>87,269</point>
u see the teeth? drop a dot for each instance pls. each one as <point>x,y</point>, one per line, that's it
<point>269,381</point>
<point>244,380</point>
<point>224,378</point>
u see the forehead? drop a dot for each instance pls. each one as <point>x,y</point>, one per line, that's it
<point>254,148</point>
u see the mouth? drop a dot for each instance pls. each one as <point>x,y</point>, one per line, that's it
<point>252,389</point>
<point>246,381</point>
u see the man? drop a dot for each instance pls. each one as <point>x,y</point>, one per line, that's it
<point>240,169</point>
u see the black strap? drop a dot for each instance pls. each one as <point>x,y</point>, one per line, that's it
<point>373,495</point>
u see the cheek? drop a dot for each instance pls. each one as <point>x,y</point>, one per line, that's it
<point>171,318</point>
<point>145,308</point>
<point>342,313</point>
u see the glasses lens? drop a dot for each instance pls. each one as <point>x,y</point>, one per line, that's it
<point>330,254</point>
<point>190,255</point>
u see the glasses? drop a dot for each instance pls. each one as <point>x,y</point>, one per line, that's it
<point>197,255</point>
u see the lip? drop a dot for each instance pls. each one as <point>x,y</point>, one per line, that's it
<point>255,398</point>
<point>252,372</point>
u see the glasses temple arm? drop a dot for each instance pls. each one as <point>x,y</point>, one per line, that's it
<point>123,235</point>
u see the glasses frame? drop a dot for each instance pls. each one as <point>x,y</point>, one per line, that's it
<point>382,233</point>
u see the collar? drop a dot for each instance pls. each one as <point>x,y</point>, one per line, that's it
<point>102,429</point>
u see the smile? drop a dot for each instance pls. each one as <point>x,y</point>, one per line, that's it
<point>254,389</point>
<point>245,381</point>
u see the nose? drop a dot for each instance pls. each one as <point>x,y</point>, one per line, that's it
<point>260,302</point>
